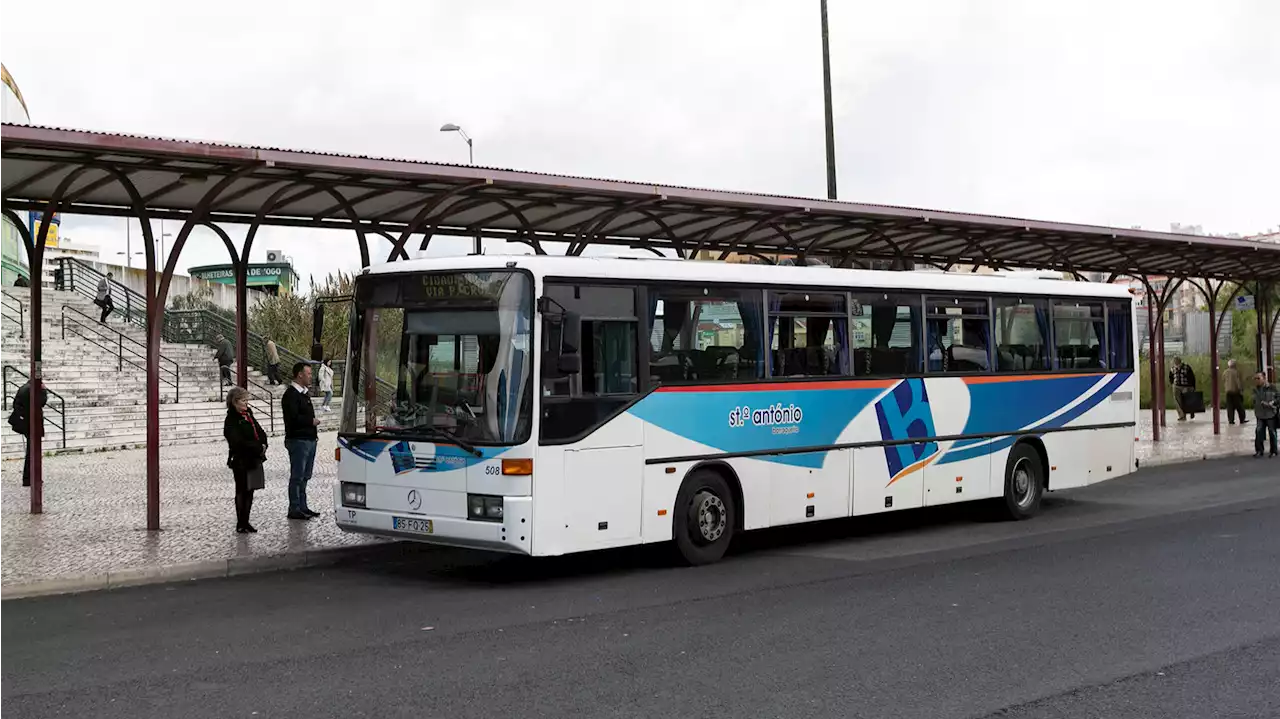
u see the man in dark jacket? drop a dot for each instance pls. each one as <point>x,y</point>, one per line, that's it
<point>1266,408</point>
<point>299,439</point>
<point>20,420</point>
<point>224,357</point>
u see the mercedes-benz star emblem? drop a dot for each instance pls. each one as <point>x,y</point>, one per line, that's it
<point>415,500</point>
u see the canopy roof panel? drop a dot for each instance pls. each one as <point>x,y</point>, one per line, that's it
<point>395,197</point>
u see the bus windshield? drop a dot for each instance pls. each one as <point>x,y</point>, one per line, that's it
<point>436,356</point>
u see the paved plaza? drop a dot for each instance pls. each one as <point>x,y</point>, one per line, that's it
<point>92,534</point>
<point>94,524</point>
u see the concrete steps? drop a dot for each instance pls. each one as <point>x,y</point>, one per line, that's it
<point>106,400</point>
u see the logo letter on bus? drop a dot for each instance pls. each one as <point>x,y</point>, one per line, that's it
<point>904,413</point>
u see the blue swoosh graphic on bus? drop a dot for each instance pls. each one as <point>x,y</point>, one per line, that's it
<point>1059,421</point>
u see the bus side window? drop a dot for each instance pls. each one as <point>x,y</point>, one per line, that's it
<point>1021,334</point>
<point>808,334</point>
<point>704,335</point>
<point>885,334</point>
<point>1119,336</point>
<point>1078,331</point>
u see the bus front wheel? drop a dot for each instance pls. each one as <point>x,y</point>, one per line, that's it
<point>705,517</point>
<point>1023,483</point>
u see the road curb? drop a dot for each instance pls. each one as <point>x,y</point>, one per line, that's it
<point>189,571</point>
<point>1171,461</point>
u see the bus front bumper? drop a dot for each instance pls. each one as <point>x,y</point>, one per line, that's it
<point>512,535</point>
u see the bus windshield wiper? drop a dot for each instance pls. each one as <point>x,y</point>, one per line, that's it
<point>449,436</point>
<point>432,433</point>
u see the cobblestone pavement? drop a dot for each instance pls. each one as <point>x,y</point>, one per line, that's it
<point>95,513</point>
<point>95,506</point>
<point>1191,440</point>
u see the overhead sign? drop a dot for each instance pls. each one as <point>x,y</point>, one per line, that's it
<point>34,219</point>
<point>1244,302</point>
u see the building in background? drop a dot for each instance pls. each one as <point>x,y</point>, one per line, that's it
<point>13,256</point>
<point>273,277</point>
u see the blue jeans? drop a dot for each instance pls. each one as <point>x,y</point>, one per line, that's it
<point>328,397</point>
<point>1266,428</point>
<point>302,459</point>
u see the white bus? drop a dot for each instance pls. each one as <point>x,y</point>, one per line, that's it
<point>547,405</point>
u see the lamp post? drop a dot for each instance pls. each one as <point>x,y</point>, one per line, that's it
<point>471,160</point>
<point>826,94</point>
<point>450,127</point>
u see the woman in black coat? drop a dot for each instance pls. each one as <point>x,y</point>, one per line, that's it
<point>246,451</point>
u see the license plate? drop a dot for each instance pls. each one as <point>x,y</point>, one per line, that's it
<point>412,524</point>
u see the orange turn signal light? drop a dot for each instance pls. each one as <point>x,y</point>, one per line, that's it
<point>517,467</point>
<point>337,454</point>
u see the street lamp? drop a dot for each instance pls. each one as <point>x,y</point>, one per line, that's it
<point>826,96</point>
<point>471,160</point>
<point>450,127</point>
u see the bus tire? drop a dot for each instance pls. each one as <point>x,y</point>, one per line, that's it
<point>705,517</point>
<point>1023,483</point>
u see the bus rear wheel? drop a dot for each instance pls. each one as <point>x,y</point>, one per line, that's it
<point>1023,483</point>
<point>705,517</point>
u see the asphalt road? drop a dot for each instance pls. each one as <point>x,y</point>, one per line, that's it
<point>1151,596</point>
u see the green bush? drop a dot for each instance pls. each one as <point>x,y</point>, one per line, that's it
<point>1204,380</point>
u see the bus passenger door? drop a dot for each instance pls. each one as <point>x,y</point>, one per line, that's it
<point>583,412</point>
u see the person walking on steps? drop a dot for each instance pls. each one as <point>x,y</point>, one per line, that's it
<point>1233,384</point>
<point>1266,411</point>
<point>326,383</point>
<point>20,421</point>
<point>273,363</point>
<point>1184,382</point>
<point>300,437</point>
<point>246,453</point>
<point>224,356</point>
<point>103,298</point>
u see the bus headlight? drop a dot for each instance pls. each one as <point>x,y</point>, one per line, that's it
<point>353,494</point>
<point>484,508</point>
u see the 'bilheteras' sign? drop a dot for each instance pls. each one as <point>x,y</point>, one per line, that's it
<point>228,273</point>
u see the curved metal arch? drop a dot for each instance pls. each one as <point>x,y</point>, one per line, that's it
<point>420,219</point>
<point>274,199</point>
<point>197,216</point>
<point>762,222</point>
<point>601,222</point>
<point>242,300</point>
<point>670,234</point>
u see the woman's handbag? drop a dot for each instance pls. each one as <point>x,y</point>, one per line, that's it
<point>256,478</point>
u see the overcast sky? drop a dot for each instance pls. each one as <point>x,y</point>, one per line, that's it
<point>1113,112</point>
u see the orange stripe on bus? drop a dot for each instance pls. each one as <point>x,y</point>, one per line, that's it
<point>783,386</point>
<point>1026,377</point>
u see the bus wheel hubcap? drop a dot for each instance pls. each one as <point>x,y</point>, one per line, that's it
<point>710,515</point>
<point>1023,483</point>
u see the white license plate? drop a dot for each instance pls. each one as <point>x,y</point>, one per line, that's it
<point>412,524</point>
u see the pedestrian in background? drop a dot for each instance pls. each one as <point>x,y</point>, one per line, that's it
<point>224,357</point>
<point>1265,410</point>
<point>1184,383</point>
<point>273,363</point>
<point>300,438</point>
<point>20,421</point>
<point>1233,384</point>
<point>103,298</point>
<point>326,383</point>
<point>246,453</point>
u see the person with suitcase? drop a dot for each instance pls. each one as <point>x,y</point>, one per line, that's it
<point>1183,380</point>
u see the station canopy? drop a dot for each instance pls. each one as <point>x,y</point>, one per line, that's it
<point>416,200</point>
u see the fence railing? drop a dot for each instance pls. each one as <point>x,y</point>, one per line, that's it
<point>12,309</point>
<point>195,326</point>
<point>60,423</point>
<point>126,349</point>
